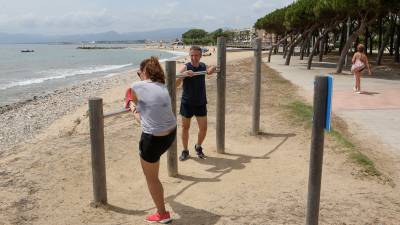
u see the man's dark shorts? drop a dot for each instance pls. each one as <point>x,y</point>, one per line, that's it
<point>188,111</point>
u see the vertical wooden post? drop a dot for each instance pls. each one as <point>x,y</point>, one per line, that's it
<point>317,150</point>
<point>256,87</point>
<point>221,84</point>
<point>172,163</point>
<point>97,148</point>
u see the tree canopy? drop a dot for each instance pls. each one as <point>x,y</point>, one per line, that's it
<point>202,37</point>
<point>304,19</point>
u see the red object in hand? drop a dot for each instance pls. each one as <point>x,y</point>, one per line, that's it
<point>128,97</point>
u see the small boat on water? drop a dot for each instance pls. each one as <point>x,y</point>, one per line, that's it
<point>27,50</point>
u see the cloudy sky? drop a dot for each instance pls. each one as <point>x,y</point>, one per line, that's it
<point>89,16</point>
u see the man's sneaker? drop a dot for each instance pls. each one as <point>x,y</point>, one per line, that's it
<point>199,151</point>
<point>159,218</point>
<point>184,155</point>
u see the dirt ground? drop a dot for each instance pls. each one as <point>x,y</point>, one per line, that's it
<point>259,180</point>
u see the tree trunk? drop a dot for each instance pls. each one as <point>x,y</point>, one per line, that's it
<point>308,46</point>
<point>285,47</point>
<point>397,45</point>
<point>347,46</point>
<point>297,40</point>
<point>276,46</point>
<point>314,49</point>
<point>326,45</point>
<point>302,50</point>
<point>304,46</point>
<point>384,43</point>
<point>392,30</point>
<point>321,49</point>
<point>380,32</point>
<point>342,37</point>
<point>316,44</point>
<point>334,40</point>
<point>356,43</point>
<point>370,43</point>
<point>288,48</point>
<point>382,49</point>
<point>366,41</point>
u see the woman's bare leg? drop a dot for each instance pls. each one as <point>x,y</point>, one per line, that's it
<point>358,80</point>
<point>150,171</point>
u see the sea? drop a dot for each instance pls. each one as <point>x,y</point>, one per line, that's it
<point>54,66</point>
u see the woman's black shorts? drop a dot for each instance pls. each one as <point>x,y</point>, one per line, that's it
<point>152,147</point>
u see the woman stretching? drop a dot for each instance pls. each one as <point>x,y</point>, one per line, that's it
<point>151,106</point>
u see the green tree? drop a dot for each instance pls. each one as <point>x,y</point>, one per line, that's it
<point>195,34</point>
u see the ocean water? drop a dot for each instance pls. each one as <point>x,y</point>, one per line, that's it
<point>50,67</point>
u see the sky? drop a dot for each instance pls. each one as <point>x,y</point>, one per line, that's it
<point>61,17</point>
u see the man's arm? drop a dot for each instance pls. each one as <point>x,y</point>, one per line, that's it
<point>182,70</point>
<point>211,69</point>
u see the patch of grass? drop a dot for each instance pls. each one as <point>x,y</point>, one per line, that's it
<point>342,140</point>
<point>355,155</point>
<point>302,113</point>
<point>365,162</point>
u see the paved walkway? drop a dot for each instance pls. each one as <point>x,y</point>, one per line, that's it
<point>374,113</point>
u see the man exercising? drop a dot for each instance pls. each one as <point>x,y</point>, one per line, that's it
<point>194,100</point>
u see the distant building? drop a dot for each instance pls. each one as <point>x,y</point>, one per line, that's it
<point>177,43</point>
<point>267,38</point>
<point>245,35</point>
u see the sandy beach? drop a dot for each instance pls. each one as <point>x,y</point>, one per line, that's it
<point>45,164</point>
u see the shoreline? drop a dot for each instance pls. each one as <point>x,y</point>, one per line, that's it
<point>24,119</point>
<point>15,105</point>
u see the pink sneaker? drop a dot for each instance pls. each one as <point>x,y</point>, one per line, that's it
<point>158,218</point>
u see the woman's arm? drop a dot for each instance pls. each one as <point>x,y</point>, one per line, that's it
<point>353,60</point>
<point>132,106</point>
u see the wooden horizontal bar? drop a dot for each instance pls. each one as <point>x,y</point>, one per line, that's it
<point>121,111</point>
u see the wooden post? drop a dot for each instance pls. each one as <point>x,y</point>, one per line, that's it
<point>317,150</point>
<point>256,87</point>
<point>172,163</point>
<point>221,84</point>
<point>97,146</point>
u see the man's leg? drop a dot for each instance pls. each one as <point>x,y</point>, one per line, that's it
<point>185,138</point>
<point>202,122</point>
<point>185,132</point>
<point>186,112</point>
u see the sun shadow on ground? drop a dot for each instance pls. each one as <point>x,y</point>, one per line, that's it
<point>191,215</point>
<point>220,166</point>
<point>117,209</point>
<point>369,93</point>
<point>320,64</point>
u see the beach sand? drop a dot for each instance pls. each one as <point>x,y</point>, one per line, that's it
<point>260,180</point>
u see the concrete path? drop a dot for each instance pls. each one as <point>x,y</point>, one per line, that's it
<point>375,113</point>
